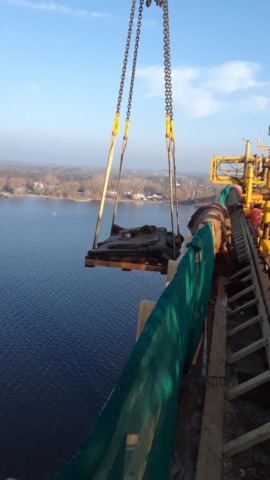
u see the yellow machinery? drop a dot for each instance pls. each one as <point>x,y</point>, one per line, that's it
<point>246,171</point>
<point>264,243</point>
<point>252,173</point>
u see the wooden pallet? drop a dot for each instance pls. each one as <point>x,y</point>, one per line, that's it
<point>125,266</point>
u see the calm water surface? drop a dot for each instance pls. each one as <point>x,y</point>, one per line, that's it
<point>66,331</point>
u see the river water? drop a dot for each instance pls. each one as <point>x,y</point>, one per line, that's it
<point>66,331</point>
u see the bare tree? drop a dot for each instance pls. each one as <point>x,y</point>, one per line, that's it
<point>70,189</point>
<point>88,184</point>
<point>16,183</point>
<point>97,186</point>
<point>50,185</point>
<point>125,186</point>
<point>3,182</point>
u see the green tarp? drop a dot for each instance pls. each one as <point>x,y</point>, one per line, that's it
<point>224,194</point>
<point>133,436</point>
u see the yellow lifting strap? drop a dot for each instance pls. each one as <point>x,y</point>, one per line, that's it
<point>115,129</point>
<point>126,129</point>
<point>168,133</point>
<point>172,131</point>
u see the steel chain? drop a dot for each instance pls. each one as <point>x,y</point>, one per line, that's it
<point>123,76</point>
<point>137,39</point>
<point>159,3</point>
<point>167,61</point>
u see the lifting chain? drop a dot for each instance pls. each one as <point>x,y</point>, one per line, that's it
<point>170,142</point>
<point>169,117</point>
<point>167,55</point>
<point>137,39</point>
<point>115,129</point>
<point>136,48</point>
<point>167,61</point>
<point>123,76</point>
<point>159,3</point>
<point>125,139</point>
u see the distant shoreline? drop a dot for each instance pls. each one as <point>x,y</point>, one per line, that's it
<point>82,200</point>
<point>111,200</point>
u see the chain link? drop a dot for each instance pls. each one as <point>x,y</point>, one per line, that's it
<point>159,3</point>
<point>167,54</point>
<point>137,39</point>
<point>123,76</point>
<point>167,60</point>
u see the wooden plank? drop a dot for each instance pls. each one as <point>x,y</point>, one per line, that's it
<point>240,248</point>
<point>241,294</point>
<point>246,441</point>
<point>209,462</point>
<point>146,308</point>
<point>243,307</point>
<point>247,351</point>
<point>238,242</point>
<point>244,255</point>
<point>89,262</point>
<point>237,236</point>
<point>244,325</point>
<point>247,278</point>
<point>237,274</point>
<point>172,269</point>
<point>244,387</point>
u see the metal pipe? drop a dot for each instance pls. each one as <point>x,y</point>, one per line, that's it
<point>266,209</point>
<point>247,153</point>
<point>249,178</point>
<point>268,178</point>
<point>247,149</point>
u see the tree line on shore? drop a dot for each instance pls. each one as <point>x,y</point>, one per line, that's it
<point>79,183</point>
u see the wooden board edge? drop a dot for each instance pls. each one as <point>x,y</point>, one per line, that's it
<point>89,262</point>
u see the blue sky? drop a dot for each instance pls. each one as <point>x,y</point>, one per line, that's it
<point>60,71</point>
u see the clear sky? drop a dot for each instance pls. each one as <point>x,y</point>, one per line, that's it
<point>60,68</point>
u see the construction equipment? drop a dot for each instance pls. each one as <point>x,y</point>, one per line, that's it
<point>124,261</point>
<point>252,173</point>
<point>264,233</point>
<point>246,171</point>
